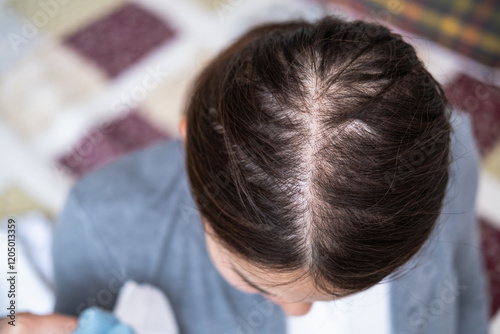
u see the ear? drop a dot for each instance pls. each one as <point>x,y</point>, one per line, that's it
<point>182,128</point>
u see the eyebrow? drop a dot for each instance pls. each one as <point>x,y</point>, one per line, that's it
<point>250,283</point>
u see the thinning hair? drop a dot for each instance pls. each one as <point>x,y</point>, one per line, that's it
<point>334,141</point>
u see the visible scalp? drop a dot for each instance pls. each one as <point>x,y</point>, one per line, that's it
<point>314,122</point>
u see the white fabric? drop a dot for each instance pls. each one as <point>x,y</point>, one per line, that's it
<point>364,312</point>
<point>35,232</point>
<point>146,309</point>
<point>33,293</point>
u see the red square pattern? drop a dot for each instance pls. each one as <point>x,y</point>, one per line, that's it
<point>121,38</point>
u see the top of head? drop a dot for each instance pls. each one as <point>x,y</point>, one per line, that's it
<point>319,146</point>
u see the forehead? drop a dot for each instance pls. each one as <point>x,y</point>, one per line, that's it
<point>288,287</point>
<point>291,287</point>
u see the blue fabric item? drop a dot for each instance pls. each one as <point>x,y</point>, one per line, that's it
<point>97,321</point>
<point>135,219</point>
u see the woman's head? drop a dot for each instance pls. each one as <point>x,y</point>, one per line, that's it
<point>333,143</point>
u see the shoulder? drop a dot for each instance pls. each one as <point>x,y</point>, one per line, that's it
<point>135,174</point>
<point>130,182</point>
<point>458,212</point>
<point>465,163</point>
<point>128,209</point>
<point>138,195</point>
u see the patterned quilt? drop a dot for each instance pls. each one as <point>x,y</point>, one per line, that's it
<point>84,82</point>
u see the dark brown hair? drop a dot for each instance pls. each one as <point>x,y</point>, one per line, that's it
<point>333,140</point>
